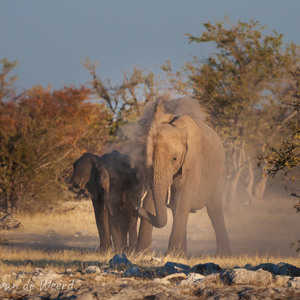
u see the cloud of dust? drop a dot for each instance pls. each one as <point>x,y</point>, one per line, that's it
<point>268,226</point>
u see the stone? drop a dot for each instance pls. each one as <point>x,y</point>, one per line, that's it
<point>192,279</point>
<point>294,283</point>
<point>92,270</point>
<point>288,270</point>
<point>171,268</point>
<point>161,281</point>
<point>175,276</point>
<point>120,262</point>
<point>38,271</point>
<point>267,267</point>
<point>133,271</point>
<point>206,269</point>
<point>210,279</point>
<point>283,269</point>
<point>21,275</point>
<point>281,281</point>
<point>246,277</point>
<point>247,267</point>
<point>68,271</point>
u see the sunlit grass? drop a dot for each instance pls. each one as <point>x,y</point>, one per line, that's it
<point>62,223</point>
<point>28,259</point>
<point>65,224</point>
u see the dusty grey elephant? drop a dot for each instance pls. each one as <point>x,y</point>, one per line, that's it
<point>185,163</point>
<point>111,182</point>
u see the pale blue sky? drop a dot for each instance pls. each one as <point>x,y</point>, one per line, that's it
<point>51,38</point>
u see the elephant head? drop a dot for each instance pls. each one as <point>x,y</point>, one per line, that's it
<point>168,149</point>
<point>109,177</point>
<point>86,174</point>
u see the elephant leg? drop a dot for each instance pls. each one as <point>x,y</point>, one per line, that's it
<point>145,232</point>
<point>101,216</point>
<point>118,232</point>
<point>132,231</point>
<point>216,215</point>
<point>177,241</point>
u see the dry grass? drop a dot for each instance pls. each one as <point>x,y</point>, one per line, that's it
<point>59,260</point>
<point>49,240</point>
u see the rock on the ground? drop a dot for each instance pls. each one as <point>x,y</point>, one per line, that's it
<point>172,268</point>
<point>173,281</point>
<point>134,271</point>
<point>246,277</point>
<point>120,262</point>
<point>92,269</point>
<point>192,279</point>
<point>206,269</point>
<point>283,269</point>
<point>294,283</point>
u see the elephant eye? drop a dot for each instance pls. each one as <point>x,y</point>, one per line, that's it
<point>175,158</point>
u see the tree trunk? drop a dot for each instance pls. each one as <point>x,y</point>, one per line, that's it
<point>260,189</point>
<point>232,193</point>
<point>251,181</point>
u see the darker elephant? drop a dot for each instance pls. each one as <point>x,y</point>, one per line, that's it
<point>184,160</point>
<point>110,181</point>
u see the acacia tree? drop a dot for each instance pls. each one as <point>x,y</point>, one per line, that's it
<point>240,86</point>
<point>284,157</point>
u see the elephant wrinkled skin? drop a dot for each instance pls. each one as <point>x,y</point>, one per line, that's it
<point>111,183</point>
<point>186,156</point>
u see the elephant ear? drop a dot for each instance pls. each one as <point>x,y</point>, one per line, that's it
<point>103,180</point>
<point>103,185</point>
<point>84,174</point>
<point>159,118</point>
<point>191,135</point>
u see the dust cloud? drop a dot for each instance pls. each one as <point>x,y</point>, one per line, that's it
<point>267,227</point>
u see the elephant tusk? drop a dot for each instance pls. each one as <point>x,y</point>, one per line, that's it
<point>169,196</point>
<point>109,208</point>
<point>143,197</point>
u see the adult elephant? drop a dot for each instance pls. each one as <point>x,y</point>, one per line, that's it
<point>111,182</point>
<point>184,163</point>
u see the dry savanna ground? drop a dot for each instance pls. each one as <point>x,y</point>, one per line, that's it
<point>66,237</point>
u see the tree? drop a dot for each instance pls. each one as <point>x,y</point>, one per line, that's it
<point>124,101</point>
<point>42,133</point>
<point>7,89</point>
<point>240,86</point>
<point>284,158</point>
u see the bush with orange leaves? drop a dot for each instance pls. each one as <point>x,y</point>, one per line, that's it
<point>41,133</point>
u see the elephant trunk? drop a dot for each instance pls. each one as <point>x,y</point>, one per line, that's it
<point>159,192</point>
